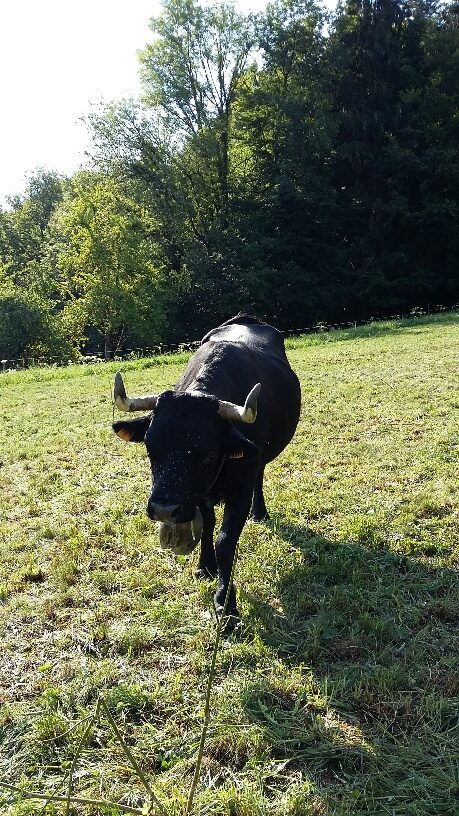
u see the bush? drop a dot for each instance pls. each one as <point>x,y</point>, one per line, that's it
<point>28,328</point>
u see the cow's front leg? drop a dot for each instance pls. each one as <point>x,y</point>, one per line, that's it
<point>207,566</point>
<point>234,518</point>
<point>258,510</point>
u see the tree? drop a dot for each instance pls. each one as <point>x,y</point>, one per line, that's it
<point>191,73</point>
<point>23,232</point>
<point>282,148</point>
<point>103,249</point>
<point>317,182</point>
<point>391,74</point>
<point>179,152</point>
<point>28,327</point>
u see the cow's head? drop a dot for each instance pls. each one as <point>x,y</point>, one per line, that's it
<point>188,437</point>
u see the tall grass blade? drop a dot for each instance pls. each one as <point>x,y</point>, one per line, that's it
<point>220,625</point>
<point>131,758</point>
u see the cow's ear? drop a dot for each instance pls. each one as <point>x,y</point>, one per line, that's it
<point>132,430</point>
<point>237,446</point>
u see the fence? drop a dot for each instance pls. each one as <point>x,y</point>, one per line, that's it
<point>174,348</point>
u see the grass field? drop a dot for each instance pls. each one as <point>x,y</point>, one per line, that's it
<point>340,693</point>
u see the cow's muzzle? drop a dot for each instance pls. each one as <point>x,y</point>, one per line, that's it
<point>163,512</point>
<point>172,513</point>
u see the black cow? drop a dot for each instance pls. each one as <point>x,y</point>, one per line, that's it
<point>234,409</point>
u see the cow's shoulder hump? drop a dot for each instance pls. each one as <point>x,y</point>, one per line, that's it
<point>249,330</point>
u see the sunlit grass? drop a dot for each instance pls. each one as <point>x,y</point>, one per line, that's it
<point>340,694</point>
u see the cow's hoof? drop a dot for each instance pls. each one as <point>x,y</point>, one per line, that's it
<point>230,622</point>
<point>259,516</point>
<point>205,574</point>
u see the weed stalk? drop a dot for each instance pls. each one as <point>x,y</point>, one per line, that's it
<point>154,799</point>
<point>220,625</point>
<point>94,719</point>
<point>75,800</point>
<point>68,798</point>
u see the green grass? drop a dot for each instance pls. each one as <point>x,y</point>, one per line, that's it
<point>340,693</point>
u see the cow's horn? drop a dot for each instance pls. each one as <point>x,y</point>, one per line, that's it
<point>241,413</point>
<point>125,403</point>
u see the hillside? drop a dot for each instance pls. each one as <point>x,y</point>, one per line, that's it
<point>340,693</point>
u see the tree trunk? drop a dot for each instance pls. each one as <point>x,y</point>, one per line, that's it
<point>224,173</point>
<point>108,346</point>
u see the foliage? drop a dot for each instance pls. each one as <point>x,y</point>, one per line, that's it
<point>103,248</point>
<point>392,69</point>
<point>299,165</point>
<point>28,329</point>
<point>284,128</point>
<point>24,232</point>
<point>21,325</point>
<point>192,69</point>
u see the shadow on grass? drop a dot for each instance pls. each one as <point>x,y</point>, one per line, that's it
<point>348,602</point>
<point>366,689</point>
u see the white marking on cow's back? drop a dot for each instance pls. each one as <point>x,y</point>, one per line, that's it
<point>236,333</point>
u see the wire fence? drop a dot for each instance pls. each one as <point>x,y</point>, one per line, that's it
<point>97,357</point>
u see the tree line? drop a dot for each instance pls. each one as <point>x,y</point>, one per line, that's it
<point>293,164</point>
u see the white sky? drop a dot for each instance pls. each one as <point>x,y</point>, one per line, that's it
<point>56,58</point>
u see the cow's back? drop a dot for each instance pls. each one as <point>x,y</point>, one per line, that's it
<point>235,356</point>
<point>251,332</point>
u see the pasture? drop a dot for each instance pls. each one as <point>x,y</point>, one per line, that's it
<point>339,694</point>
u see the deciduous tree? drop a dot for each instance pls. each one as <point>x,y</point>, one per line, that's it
<point>110,278</point>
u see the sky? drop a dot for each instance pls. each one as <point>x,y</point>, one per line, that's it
<point>58,59</point>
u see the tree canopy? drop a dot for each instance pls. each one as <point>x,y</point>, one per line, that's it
<point>296,164</point>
